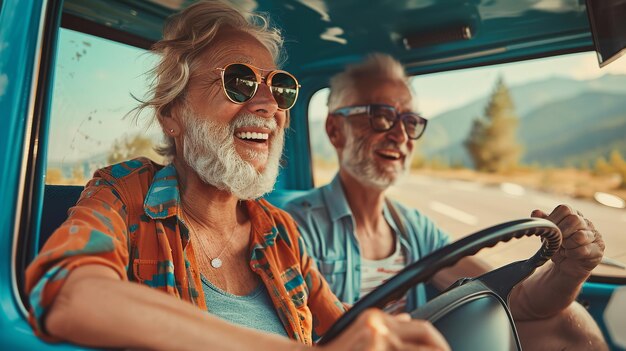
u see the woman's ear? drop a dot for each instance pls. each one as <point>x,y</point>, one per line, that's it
<point>171,128</point>
<point>170,124</point>
<point>335,132</point>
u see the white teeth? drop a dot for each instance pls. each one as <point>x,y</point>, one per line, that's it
<point>252,135</point>
<point>388,153</point>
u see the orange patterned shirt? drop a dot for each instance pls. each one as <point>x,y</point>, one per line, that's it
<point>127,219</point>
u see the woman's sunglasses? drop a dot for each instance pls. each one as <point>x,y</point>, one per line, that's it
<point>241,82</point>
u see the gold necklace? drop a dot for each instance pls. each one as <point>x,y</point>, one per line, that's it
<point>216,262</point>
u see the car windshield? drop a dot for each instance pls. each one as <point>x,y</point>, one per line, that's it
<point>566,115</point>
<point>563,121</point>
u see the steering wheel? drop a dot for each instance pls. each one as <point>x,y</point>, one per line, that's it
<point>482,302</point>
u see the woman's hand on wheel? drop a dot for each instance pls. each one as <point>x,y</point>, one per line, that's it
<point>375,330</point>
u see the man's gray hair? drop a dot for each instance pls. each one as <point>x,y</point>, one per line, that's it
<point>185,36</point>
<point>344,85</point>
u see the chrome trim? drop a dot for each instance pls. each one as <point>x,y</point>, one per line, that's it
<point>26,149</point>
<point>458,57</point>
<point>548,41</point>
<point>499,50</point>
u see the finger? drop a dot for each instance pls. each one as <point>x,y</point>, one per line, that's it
<point>560,212</point>
<point>381,335</point>
<point>423,348</point>
<point>579,238</point>
<point>571,224</point>
<point>591,226</point>
<point>538,214</point>
<point>403,317</point>
<point>588,252</point>
<point>376,321</point>
<point>420,332</point>
<point>386,340</point>
<point>600,242</point>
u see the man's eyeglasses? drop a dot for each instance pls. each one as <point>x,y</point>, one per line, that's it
<point>241,82</point>
<point>384,117</point>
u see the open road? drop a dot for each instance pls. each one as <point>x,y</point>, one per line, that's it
<point>462,208</point>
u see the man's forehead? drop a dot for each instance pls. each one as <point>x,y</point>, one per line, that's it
<point>385,91</point>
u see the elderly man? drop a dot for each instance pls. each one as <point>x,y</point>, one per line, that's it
<point>360,238</point>
<point>149,249</point>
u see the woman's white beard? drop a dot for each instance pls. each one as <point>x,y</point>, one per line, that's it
<point>209,150</point>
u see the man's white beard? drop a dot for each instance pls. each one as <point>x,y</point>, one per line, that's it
<point>209,150</point>
<point>356,159</point>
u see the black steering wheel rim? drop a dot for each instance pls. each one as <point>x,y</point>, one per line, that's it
<point>426,267</point>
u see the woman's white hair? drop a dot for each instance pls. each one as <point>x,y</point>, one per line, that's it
<point>344,85</point>
<point>185,36</point>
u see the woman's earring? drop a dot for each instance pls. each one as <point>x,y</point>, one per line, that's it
<point>172,130</point>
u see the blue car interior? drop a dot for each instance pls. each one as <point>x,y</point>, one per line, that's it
<point>321,38</point>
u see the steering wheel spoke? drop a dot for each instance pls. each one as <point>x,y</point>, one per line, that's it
<point>497,284</point>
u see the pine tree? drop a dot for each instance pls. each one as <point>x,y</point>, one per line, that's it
<point>616,160</point>
<point>602,167</point>
<point>619,165</point>
<point>492,141</point>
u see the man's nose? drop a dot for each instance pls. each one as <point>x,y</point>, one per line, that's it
<point>263,102</point>
<point>398,132</point>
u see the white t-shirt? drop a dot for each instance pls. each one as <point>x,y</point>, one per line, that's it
<point>376,272</point>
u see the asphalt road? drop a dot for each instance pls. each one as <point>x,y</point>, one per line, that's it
<point>462,208</point>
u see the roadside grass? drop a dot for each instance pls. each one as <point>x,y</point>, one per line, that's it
<point>581,184</point>
<point>573,182</point>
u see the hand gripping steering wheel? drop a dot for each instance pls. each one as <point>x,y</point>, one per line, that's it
<point>463,311</point>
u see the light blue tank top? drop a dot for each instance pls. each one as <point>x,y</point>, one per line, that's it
<point>254,310</point>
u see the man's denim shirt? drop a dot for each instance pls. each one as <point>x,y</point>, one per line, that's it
<point>327,226</point>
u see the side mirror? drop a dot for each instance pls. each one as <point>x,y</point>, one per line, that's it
<point>608,27</point>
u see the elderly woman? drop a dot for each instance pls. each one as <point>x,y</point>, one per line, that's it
<point>148,250</point>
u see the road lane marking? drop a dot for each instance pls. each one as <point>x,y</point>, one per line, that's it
<point>512,189</point>
<point>465,186</point>
<point>609,200</point>
<point>453,213</point>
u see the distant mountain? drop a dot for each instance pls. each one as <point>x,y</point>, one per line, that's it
<point>591,115</point>
<point>451,127</point>
<point>572,131</point>
<point>575,130</point>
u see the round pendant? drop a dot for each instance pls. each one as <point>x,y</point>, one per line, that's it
<point>216,263</point>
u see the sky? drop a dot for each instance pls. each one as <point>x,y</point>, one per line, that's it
<point>96,77</point>
<point>94,80</point>
<point>439,92</point>
<point>464,86</point>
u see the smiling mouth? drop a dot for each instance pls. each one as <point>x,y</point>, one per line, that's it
<point>389,154</point>
<point>255,137</point>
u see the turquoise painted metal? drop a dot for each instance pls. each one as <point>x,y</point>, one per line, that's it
<point>337,33</point>
<point>19,24</point>
<point>595,297</point>
<point>19,31</point>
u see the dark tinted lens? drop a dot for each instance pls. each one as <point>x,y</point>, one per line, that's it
<point>285,90</point>
<point>382,117</point>
<point>239,82</point>
<point>414,125</point>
